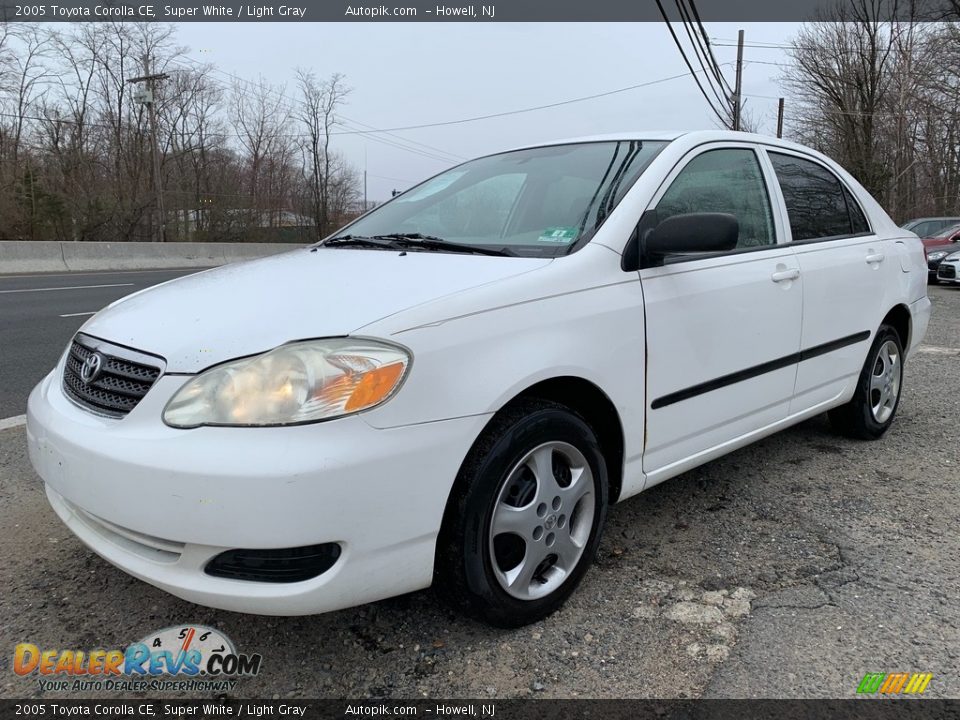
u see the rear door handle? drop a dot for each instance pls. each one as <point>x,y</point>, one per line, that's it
<point>874,258</point>
<point>784,275</point>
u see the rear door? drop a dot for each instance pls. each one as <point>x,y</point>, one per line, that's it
<point>845,269</point>
<point>723,330</point>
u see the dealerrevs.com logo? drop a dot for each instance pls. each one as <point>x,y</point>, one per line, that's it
<point>189,657</point>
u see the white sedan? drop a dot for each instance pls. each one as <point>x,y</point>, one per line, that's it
<point>452,389</point>
<point>949,269</point>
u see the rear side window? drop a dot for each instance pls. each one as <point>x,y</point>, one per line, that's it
<point>818,204</point>
<point>858,223</point>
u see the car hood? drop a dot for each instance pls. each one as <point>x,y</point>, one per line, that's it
<point>938,243</point>
<point>250,307</point>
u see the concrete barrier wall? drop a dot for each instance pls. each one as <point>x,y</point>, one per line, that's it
<point>44,256</point>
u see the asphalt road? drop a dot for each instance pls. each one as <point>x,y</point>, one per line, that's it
<point>40,313</point>
<point>787,569</point>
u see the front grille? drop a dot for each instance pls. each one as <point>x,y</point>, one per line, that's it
<point>124,377</point>
<point>947,271</point>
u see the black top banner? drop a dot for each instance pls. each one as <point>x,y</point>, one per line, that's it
<point>434,11</point>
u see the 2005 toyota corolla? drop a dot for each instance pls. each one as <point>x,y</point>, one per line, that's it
<point>454,388</point>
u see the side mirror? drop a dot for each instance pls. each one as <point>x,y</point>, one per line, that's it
<point>693,233</point>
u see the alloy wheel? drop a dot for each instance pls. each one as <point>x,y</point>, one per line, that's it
<point>542,520</point>
<point>885,382</point>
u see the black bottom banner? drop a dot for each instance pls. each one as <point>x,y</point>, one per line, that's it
<point>865,708</point>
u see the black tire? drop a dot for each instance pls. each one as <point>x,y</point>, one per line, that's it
<point>933,280</point>
<point>464,573</point>
<point>856,419</point>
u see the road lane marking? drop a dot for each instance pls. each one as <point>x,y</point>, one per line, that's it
<point>934,350</point>
<point>94,312</point>
<point>75,287</point>
<point>13,422</point>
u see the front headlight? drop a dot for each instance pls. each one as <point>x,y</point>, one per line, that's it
<point>296,383</point>
<point>937,255</point>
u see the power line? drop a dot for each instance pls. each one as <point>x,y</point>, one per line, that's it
<point>478,118</point>
<point>428,151</point>
<point>693,72</point>
<point>698,33</point>
<point>700,53</point>
<point>706,39</point>
<point>530,109</point>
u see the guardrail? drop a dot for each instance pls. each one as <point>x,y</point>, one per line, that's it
<point>17,256</point>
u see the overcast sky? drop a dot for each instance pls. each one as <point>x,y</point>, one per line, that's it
<point>411,74</point>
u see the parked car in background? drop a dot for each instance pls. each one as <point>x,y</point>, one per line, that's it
<point>453,389</point>
<point>926,227</point>
<point>938,246</point>
<point>949,269</point>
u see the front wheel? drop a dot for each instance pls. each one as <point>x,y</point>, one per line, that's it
<point>525,517</point>
<point>870,412</point>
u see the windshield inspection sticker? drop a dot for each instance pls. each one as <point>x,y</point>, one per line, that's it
<point>563,235</point>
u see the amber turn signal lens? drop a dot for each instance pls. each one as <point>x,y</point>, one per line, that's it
<point>374,386</point>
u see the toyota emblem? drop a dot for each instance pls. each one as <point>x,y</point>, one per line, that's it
<point>90,370</point>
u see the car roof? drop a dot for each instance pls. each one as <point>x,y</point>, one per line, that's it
<point>690,137</point>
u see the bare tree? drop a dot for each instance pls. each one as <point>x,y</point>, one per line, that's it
<point>840,76</point>
<point>320,101</point>
<point>262,120</point>
<point>236,162</point>
<point>879,92</point>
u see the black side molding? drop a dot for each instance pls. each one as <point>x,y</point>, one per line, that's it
<point>757,370</point>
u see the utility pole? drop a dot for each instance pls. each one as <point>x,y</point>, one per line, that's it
<point>147,98</point>
<point>737,102</point>
<point>780,118</point>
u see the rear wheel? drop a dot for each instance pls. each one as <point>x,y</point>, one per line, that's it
<point>870,412</point>
<point>525,517</point>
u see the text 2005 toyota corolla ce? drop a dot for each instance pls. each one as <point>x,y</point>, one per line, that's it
<point>454,388</point>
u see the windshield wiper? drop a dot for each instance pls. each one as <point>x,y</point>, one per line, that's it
<point>430,242</point>
<point>402,241</point>
<point>356,241</point>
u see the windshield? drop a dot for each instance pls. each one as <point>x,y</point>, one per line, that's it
<point>948,232</point>
<point>540,202</point>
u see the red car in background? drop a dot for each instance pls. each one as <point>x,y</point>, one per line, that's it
<point>938,246</point>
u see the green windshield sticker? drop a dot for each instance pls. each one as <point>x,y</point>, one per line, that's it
<point>563,235</point>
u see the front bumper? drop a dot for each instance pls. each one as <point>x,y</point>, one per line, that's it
<point>160,503</point>
<point>949,271</point>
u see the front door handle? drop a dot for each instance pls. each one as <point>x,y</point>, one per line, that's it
<point>874,258</point>
<point>784,275</point>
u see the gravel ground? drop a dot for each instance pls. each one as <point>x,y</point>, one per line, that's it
<point>787,569</point>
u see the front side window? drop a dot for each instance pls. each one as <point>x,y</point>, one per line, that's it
<point>722,181</point>
<point>818,204</point>
<point>540,202</point>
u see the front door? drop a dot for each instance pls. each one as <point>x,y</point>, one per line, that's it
<point>723,331</point>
